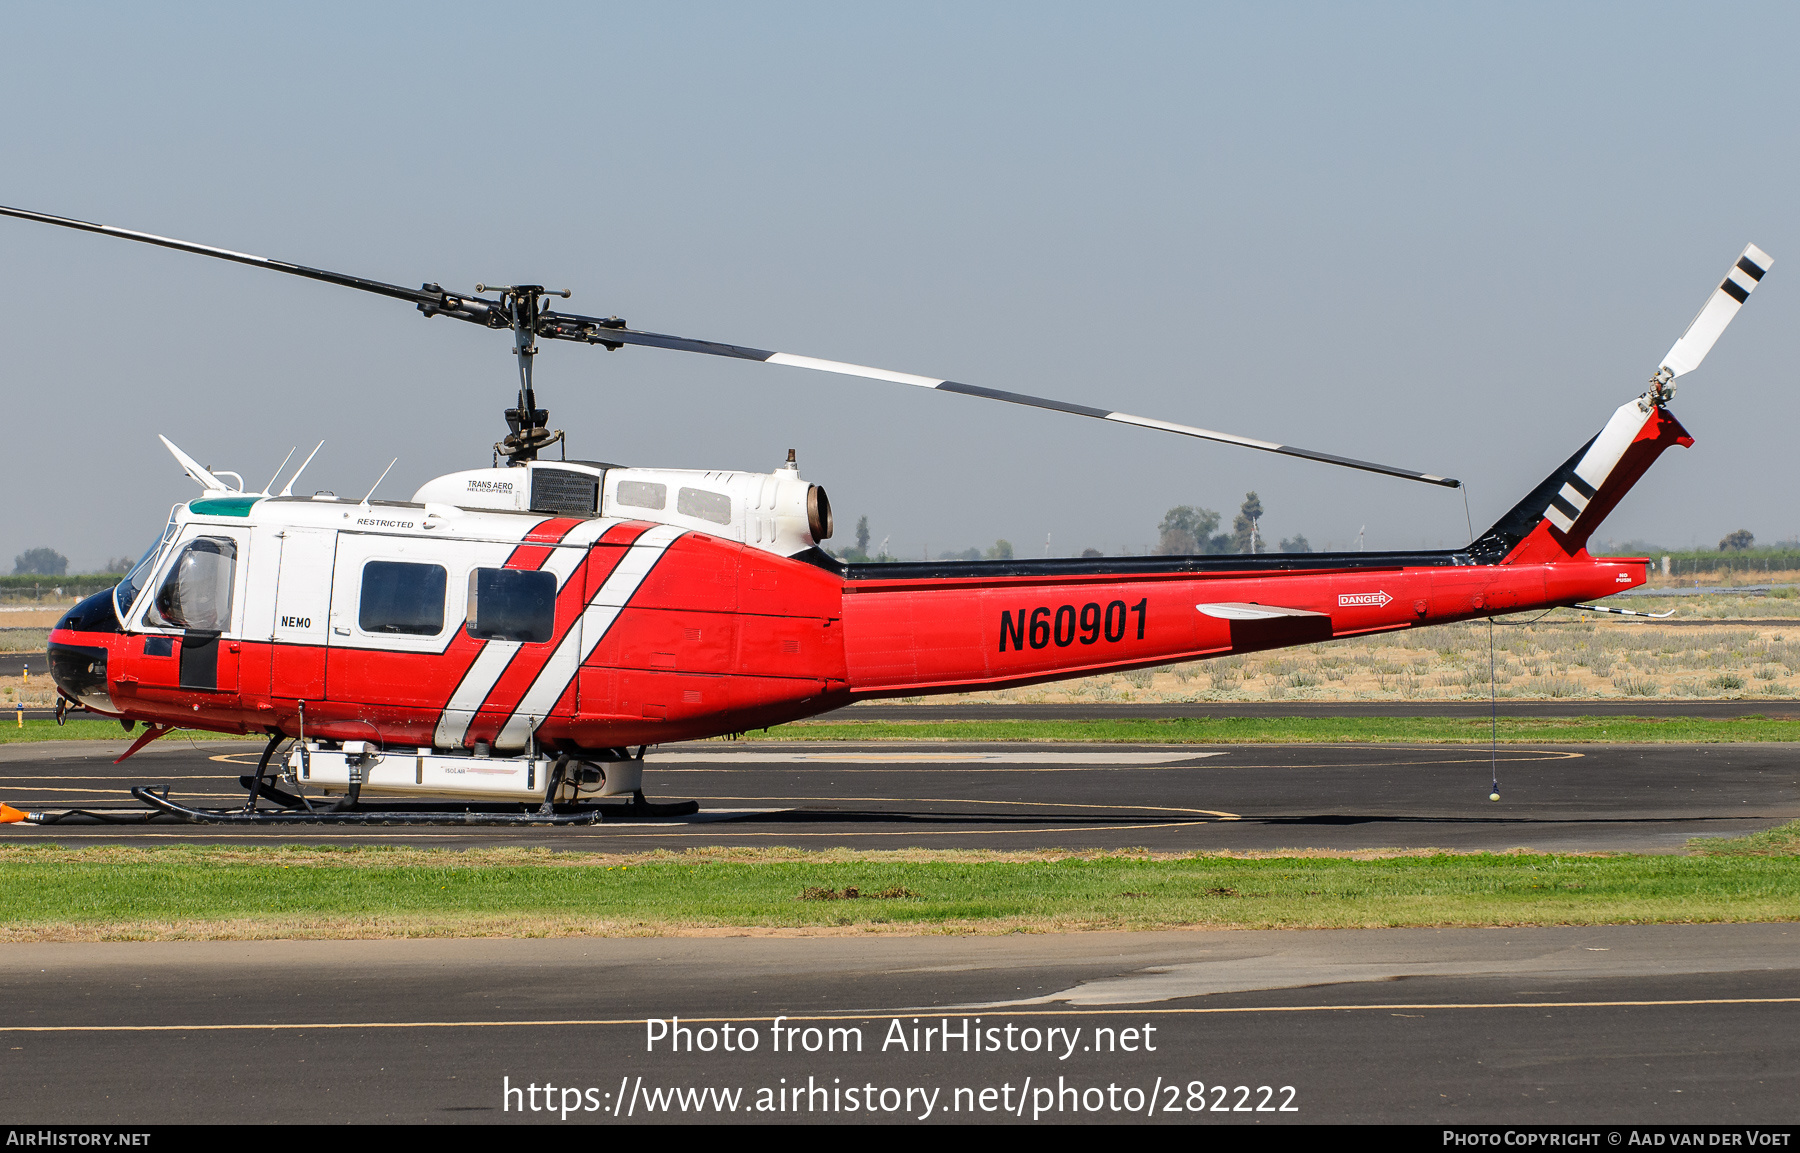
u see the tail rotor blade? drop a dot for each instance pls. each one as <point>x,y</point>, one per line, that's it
<point>1752,265</point>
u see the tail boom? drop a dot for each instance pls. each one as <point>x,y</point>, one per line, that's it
<point>907,637</point>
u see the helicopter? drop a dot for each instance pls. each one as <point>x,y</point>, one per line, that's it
<point>508,644</point>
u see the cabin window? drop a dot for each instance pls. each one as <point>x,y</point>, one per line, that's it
<point>512,605</point>
<point>197,592</point>
<point>398,597</point>
<point>697,502</point>
<point>643,494</point>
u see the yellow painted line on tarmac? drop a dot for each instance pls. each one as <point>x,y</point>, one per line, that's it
<point>35,790</point>
<point>111,782</point>
<point>1518,758</point>
<point>971,801</point>
<point>1137,1011</point>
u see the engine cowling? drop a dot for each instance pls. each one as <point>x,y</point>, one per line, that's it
<point>777,512</point>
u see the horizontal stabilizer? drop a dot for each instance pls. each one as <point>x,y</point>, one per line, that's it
<point>1235,611</point>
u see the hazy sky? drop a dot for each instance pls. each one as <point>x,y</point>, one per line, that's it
<point>1451,237</point>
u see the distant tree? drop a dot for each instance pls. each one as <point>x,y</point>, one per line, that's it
<point>966,554</point>
<point>1002,550</point>
<point>119,564</point>
<point>1090,552</point>
<point>1244,525</point>
<point>859,552</point>
<point>1733,542</point>
<point>1186,530</point>
<point>40,562</point>
<point>1298,544</point>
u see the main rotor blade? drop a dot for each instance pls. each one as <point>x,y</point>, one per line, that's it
<point>611,331</point>
<point>431,300</point>
<point>376,286</point>
<point>596,331</point>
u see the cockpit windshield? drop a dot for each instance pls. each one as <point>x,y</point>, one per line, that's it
<point>128,589</point>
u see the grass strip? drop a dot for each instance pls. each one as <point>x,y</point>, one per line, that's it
<point>1781,841</point>
<point>194,892</point>
<point>1299,730</point>
<point>89,729</point>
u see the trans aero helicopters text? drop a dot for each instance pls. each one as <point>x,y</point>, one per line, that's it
<point>512,639</point>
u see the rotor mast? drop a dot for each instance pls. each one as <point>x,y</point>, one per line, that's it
<point>529,435</point>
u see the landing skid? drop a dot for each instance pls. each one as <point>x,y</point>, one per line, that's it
<point>409,813</point>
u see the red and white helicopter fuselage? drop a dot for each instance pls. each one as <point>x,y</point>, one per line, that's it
<point>453,644</point>
<point>561,613</point>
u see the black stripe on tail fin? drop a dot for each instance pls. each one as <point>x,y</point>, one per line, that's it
<point>1497,543</point>
<point>1554,522</point>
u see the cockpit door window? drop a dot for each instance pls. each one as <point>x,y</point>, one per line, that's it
<point>196,593</point>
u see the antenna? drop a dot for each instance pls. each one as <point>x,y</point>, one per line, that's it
<point>289,489</point>
<point>1359,536</point>
<point>379,479</point>
<point>278,468</point>
<point>199,472</point>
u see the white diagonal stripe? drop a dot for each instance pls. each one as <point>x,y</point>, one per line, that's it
<point>476,684</point>
<point>565,557</point>
<point>573,549</point>
<point>583,636</point>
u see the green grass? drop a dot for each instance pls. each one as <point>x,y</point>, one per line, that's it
<point>1296,730</point>
<point>89,729</point>
<point>54,893</point>
<point>1781,841</point>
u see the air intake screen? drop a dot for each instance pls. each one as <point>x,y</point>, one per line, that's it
<point>562,491</point>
